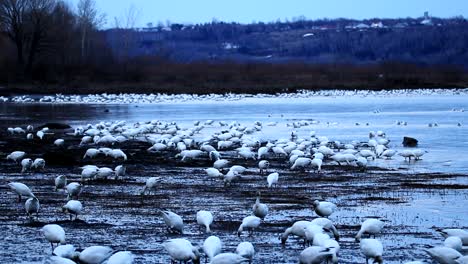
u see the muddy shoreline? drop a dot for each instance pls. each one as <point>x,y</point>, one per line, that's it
<point>116,215</point>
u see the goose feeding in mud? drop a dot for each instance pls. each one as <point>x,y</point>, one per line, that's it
<point>246,250</point>
<point>26,165</point>
<point>372,249</point>
<point>454,242</point>
<point>212,247</point>
<point>66,251</point>
<point>54,234</point>
<point>406,154</point>
<point>324,209</point>
<point>260,209</point>
<point>301,164</point>
<point>230,258</point>
<point>326,224</point>
<point>370,226</point>
<point>73,207</point>
<point>119,171</point>
<point>263,165</point>
<point>221,164</point>
<point>249,223</point>
<point>121,257</point>
<point>73,189</point>
<point>205,218</point>
<point>117,154</point>
<point>173,221</point>
<point>272,179</point>
<point>39,164</point>
<point>316,255</point>
<point>91,153</point>
<point>59,142</point>
<point>418,153</point>
<point>95,254</point>
<point>230,177</point>
<point>297,229</point>
<point>16,156</point>
<point>213,172</point>
<point>60,182</point>
<point>104,173</point>
<point>444,255</point>
<point>182,250</point>
<point>32,206</point>
<point>89,172</point>
<point>150,185</point>
<point>21,189</point>
<point>262,152</point>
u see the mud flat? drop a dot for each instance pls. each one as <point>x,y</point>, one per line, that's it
<point>412,204</point>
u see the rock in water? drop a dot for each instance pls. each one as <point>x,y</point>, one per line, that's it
<point>409,142</point>
<point>55,126</point>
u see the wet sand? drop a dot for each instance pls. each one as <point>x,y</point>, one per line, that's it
<point>116,215</point>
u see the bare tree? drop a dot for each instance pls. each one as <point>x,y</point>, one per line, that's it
<point>126,23</point>
<point>89,19</point>
<point>12,16</point>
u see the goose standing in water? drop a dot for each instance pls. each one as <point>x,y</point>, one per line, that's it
<point>21,189</point>
<point>32,206</point>
<point>324,209</point>
<point>122,257</point>
<point>182,250</point>
<point>272,179</point>
<point>212,247</point>
<point>73,207</point>
<point>173,221</point>
<point>250,222</point>
<point>95,254</point>
<point>260,209</point>
<point>444,255</point>
<point>54,234</point>
<point>246,250</point>
<point>316,255</point>
<point>370,226</point>
<point>205,218</point>
<point>372,248</point>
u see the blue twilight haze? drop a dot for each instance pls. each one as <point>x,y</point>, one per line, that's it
<point>246,11</point>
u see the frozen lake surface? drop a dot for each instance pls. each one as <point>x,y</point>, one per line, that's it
<point>412,198</point>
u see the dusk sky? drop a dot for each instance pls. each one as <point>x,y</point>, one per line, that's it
<point>246,11</point>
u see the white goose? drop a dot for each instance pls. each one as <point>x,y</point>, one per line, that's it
<point>60,182</point>
<point>95,254</point>
<point>212,247</point>
<point>324,209</point>
<point>16,156</point>
<point>73,189</point>
<point>250,222</point>
<point>32,206</point>
<point>121,257</point>
<point>26,165</point>
<point>246,250</point>
<point>205,218</point>
<point>73,207</point>
<point>21,189</point>
<point>315,255</point>
<point>228,258</point>
<point>272,179</point>
<point>181,250</point>
<point>58,260</point>
<point>66,251</point>
<point>454,242</point>
<point>297,229</point>
<point>263,165</point>
<point>174,222</point>
<point>326,224</point>
<point>372,248</point>
<point>150,185</point>
<point>462,234</point>
<point>54,234</point>
<point>260,209</point>
<point>213,172</point>
<point>370,226</point>
<point>39,164</point>
<point>444,255</point>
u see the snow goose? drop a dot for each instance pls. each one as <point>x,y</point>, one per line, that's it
<point>370,226</point>
<point>372,248</point>
<point>66,251</point>
<point>462,234</point>
<point>16,156</point>
<point>212,247</point>
<point>327,225</point>
<point>406,154</point>
<point>315,255</point>
<point>454,242</point>
<point>297,229</point>
<point>60,182</point>
<point>119,171</point>
<point>444,255</point>
<point>21,189</point>
<point>389,153</point>
<point>263,165</point>
<point>173,221</point>
<point>260,209</point>
<point>250,222</point>
<point>117,154</point>
<point>324,209</point>
<point>182,250</point>
<point>73,189</point>
<point>58,260</point>
<point>104,173</point>
<point>365,153</point>
<point>418,153</point>
<point>262,152</point>
<point>238,169</point>
<point>89,172</point>
<point>73,207</point>
<point>32,206</point>
<point>213,172</point>
<point>54,234</point>
<point>246,250</point>
<point>121,257</point>
<point>221,164</point>
<point>301,163</point>
<point>38,164</point>
<point>228,258</point>
<point>150,185</point>
<point>95,254</point>
<point>205,218</point>
<point>26,165</point>
<point>59,142</point>
<point>272,179</point>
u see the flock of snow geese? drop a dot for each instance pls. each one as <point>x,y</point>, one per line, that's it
<point>320,236</point>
